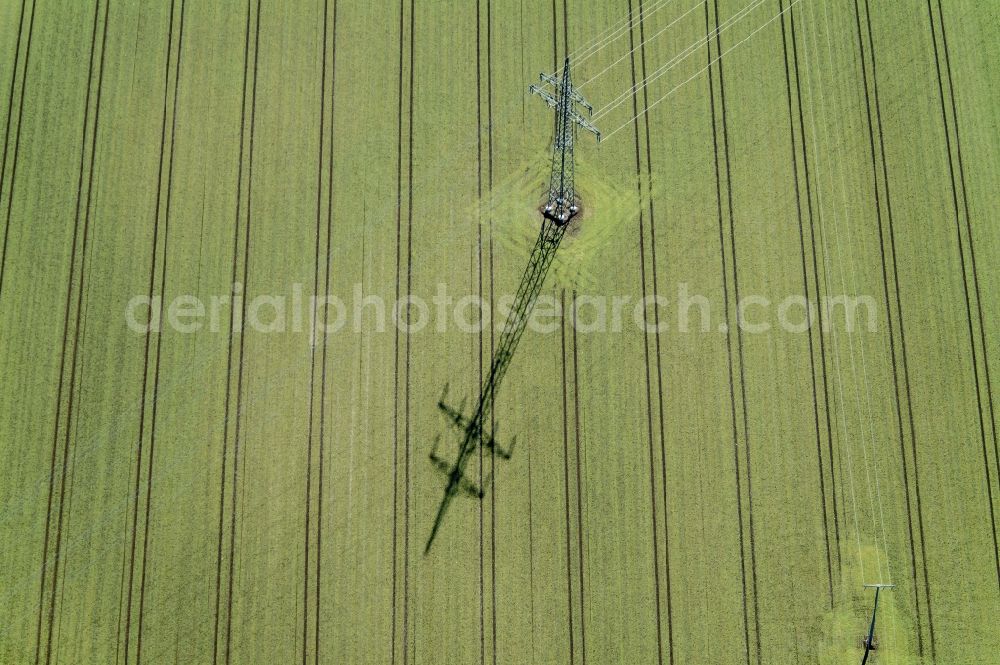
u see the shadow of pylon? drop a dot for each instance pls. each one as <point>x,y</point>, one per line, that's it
<point>472,428</point>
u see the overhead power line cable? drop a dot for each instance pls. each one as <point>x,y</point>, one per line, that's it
<point>693,76</point>
<point>642,43</point>
<point>677,59</point>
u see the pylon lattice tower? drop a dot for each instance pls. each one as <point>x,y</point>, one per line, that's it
<point>562,202</point>
<point>560,206</point>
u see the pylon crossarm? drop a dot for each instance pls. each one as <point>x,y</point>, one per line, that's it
<point>549,99</point>
<point>583,122</point>
<point>573,93</point>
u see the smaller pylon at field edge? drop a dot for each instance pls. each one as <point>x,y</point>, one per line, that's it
<point>562,202</point>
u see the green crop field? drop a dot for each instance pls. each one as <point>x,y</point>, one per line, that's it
<point>244,245</point>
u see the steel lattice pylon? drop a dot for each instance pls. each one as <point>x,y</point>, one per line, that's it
<point>477,430</point>
<point>562,202</point>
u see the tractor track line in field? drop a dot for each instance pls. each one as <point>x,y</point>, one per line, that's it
<point>312,347</point>
<point>229,365</point>
<point>80,326</point>
<point>524,74</point>
<point>965,281</point>
<point>82,332</point>
<point>656,337</point>
<point>555,38</point>
<point>815,266</point>
<point>729,350</point>
<point>489,174</point>
<point>649,434</point>
<point>659,364</point>
<point>569,538</point>
<point>146,353</point>
<point>10,111</point>
<point>165,218</point>
<point>652,473</point>
<point>479,245</point>
<point>13,81</point>
<point>579,492</point>
<point>531,556</point>
<point>409,290</point>
<point>326,292</point>
<point>17,135</point>
<point>478,362</point>
<point>739,335</point>
<point>805,290</point>
<point>84,207</point>
<point>873,92</point>
<point>645,343</point>
<point>239,381</point>
<point>968,225</point>
<point>395,382</point>
<point>159,338</point>
<point>565,26</point>
<point>476,380</point>
<point>885,287</point>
